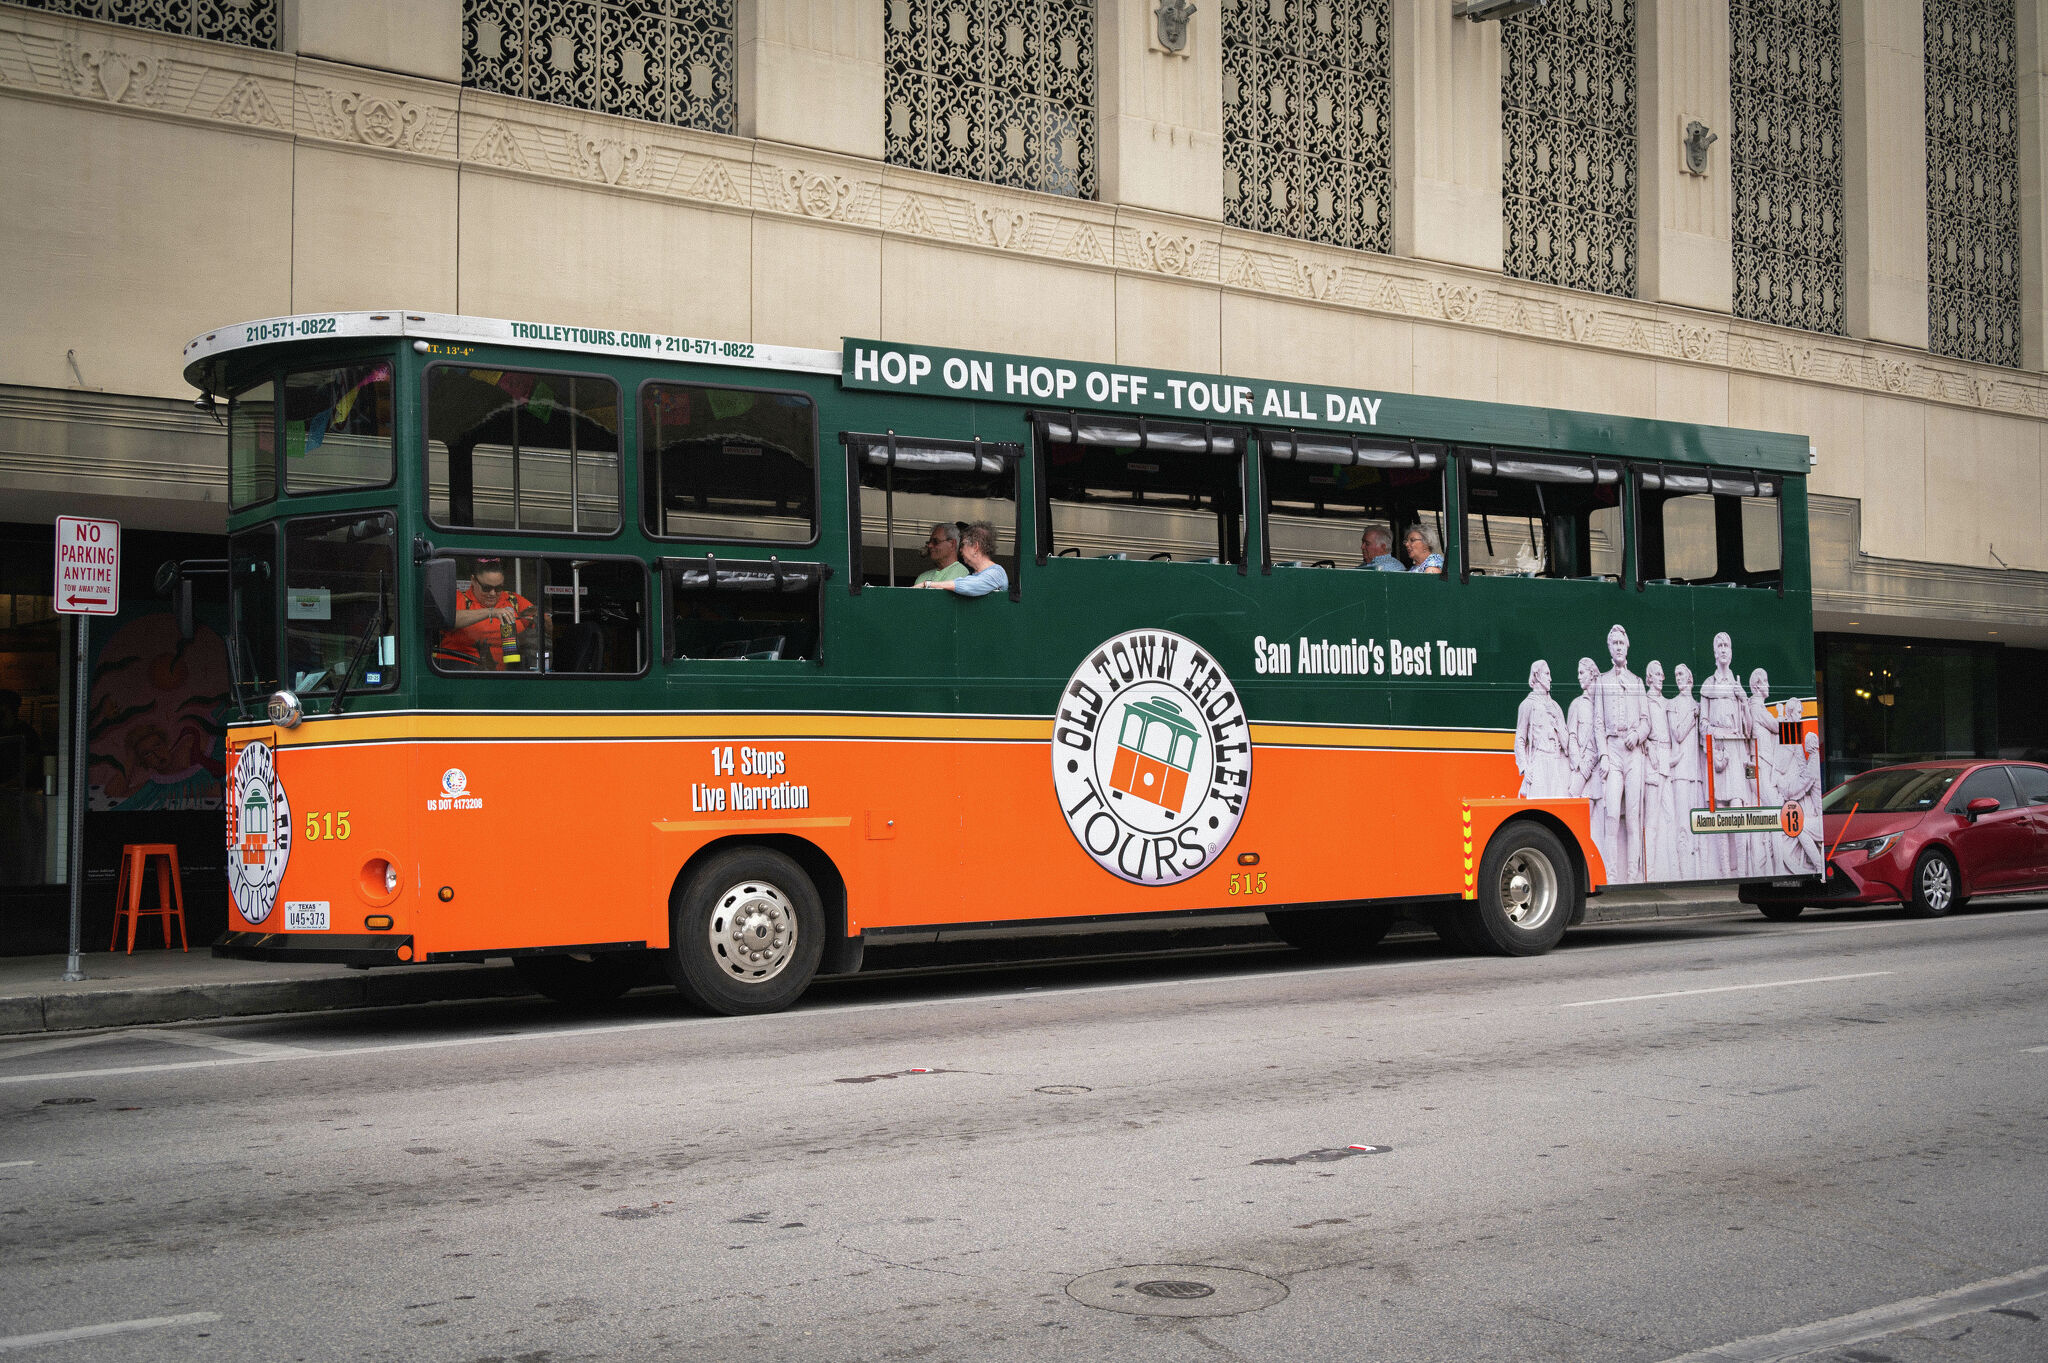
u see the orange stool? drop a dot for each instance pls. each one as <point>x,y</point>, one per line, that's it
<point>170,892</point>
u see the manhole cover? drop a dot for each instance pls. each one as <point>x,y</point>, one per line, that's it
<point>1176,1290</point>
<point>1063,1090</point>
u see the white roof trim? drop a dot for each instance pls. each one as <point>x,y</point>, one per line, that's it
<point>548,336</point>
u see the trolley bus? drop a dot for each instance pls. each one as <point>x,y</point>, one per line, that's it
<point>604,650</point>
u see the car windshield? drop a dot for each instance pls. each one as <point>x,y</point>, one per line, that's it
<point>1898,790</point>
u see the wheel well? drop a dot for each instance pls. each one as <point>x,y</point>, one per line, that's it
<point>824,875</point>
<point>1580,870</point>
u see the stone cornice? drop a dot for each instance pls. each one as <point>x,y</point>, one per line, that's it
<point>146,74</point>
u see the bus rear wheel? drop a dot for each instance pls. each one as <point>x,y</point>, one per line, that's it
<point>1331,932</point>
<point>747,931</point>
<point>1528,893</point>
<point>582,981</point>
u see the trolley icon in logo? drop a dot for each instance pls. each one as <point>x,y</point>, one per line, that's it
<point>1155,753</point>
<point>1151,757</point>
<point>259,832</point>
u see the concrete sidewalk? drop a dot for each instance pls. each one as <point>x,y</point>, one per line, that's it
<point>172,986</point>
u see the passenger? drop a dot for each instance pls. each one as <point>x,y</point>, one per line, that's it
<point>489,621</point>
<point>984,574</point>
<point>1376,548</point>
<point>1424,554</point>
<point>943,549</point>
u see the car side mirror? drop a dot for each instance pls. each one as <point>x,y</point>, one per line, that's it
<point>1977,808</point>
<point>437,583</point>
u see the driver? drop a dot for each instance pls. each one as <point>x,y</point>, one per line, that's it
<point>491,623</point>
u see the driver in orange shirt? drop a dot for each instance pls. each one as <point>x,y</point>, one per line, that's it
<point>491,623</point>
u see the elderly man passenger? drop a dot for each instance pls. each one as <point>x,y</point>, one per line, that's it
<point>1376,550</point>
<point>942,547</point>
<point>978,552</point>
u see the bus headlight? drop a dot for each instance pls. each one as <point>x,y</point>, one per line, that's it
<point>378,883</point>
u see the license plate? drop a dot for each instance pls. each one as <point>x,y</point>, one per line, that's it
<point>305,915</point>
<point>1785,884</point>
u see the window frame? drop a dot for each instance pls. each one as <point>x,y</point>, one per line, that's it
<point>1464,454</point>
<point>268,376</point>
<point>668,567</point>
<point>1758,479</point>
<point>282,379</point>
<point>284,576</point>
<point>426,428</point>
<point>449,551</point>
<point>1040,420</point>
<point>1959,799</point>
<point>640,453</point>
<point>1443,450</point>
<point>1011,451</point>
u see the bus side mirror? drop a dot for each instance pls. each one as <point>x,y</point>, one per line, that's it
<point>1977,808</point>
<point>172,582</point>
<point>437,582</point>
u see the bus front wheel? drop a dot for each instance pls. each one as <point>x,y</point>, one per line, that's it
<point>747,931</point>
<point>1527,893</point>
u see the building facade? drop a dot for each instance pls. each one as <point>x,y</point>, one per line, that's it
<point>1817,216</point>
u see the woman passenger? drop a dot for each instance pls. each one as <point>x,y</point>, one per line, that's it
<point>1424,554</point>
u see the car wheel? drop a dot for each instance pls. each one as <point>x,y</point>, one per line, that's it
<point>1781,913</point>
<point>583,981</point>
<point>1936,891</point>
<point>1331,932</point>
<point>747,932</point>
<point>1528,894</point>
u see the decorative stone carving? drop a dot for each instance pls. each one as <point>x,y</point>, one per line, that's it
<point>716,184</point>
<point>1316,281</point>
<point>1002,227</point>
<point>1579,321</point>
<point>609,159</point>
<point>246,103</point>
<point>1171,252</point>
<point>1456,302</point>
<point>116,75</point>
<point>815,195</point>
<point>1693,342</point>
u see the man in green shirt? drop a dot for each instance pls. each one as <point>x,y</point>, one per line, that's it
<point>943,549</point>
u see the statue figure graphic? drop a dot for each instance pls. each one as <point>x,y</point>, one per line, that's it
<point>1802,787</point>
<point>1660,835</point>
<point>1582,754</point>
<point>1621,729</point>
<point>1539,740</point>
<point>1731,773</point>
<point>1686,787</point>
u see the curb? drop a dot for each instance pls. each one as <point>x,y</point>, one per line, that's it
<point>79,1010</point>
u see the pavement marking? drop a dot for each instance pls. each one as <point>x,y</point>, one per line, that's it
<point>16,1163</point>
<point>1878,1321</point>
<point>2035,1050</point>
<point>117,1327</point>
<point>13,1049</point>
<point>1728,988</point>
<point>208,1041</point>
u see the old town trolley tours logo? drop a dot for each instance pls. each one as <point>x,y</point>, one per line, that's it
<point>1151,757</point>
<point>259,832</point>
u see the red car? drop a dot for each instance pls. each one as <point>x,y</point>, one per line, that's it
<point>1929,835</point>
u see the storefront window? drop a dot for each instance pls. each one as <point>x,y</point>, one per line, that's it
<point>1886,701</point>
<point>33,695</point>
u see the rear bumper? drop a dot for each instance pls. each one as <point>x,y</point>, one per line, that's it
<point>324,948</point>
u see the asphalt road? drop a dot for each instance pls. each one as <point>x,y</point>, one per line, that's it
<point>1662,1139</point>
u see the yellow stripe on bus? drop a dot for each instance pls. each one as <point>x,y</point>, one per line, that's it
<point>474,728</point>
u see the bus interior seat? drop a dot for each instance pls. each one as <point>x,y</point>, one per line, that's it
<point>579,648</point>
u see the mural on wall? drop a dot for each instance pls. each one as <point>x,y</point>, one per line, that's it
<point>155,733</point>
<point>1723,787</point>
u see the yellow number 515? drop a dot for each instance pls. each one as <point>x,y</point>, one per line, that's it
<point>329,826</point>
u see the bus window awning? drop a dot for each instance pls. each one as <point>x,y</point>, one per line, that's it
<point>709,574</point>
<point>1139,433</point>
<point>1324,448</point>
<point>927,455</point>
<point>1533,468</point>
<point>1721,482</point>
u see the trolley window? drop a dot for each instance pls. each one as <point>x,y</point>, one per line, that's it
<point>252,614</point>
<point>1719,528</point>
<point>1129,488</point>
<point>1325,494</point>
<point>252,445</point>
<point>744,610</point>
<point>337,428</point>
<point>511,449</point>
<point>911,493</point>
<point>1538,515</point>
<point>340,575</point>
<point>732,464</point>
<point>535,615</point>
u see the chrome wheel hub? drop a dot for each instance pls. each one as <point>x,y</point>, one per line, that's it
<point>1935,885</point>
<point>1528,889</point>
<point>753,931</point>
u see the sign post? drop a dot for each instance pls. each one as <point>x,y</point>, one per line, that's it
<point>87,583</point>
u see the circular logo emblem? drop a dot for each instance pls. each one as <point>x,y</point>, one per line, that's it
<point>259,832</point>
<point>1151,757</point>
<point>454,781</point>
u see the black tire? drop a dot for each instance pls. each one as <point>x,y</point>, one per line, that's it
<point>1937,890</point>
<point>747,931</point>
<point>584,983</point>
<point>1331,931</point>
<point>1781,913</point>
<point>1528,893</point>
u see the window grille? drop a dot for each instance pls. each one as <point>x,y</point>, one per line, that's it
<point>995,90</point>
<point>1568,109</point>
<point>663,61</point>
<point>1973,201</point>
<point>249,23</point>
<point>1306,99</point>
<point>1785,158</point>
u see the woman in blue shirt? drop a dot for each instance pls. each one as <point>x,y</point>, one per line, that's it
<point>984,575</point>
<point>1424,554</point>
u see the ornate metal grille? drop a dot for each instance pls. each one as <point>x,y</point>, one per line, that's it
<point>249,23</point>
<point>1785,158</point>
<point>1305,120</point>
<point>996,90</point>
<point>665,61</point>
<point>1973,199</point>
<point>1568,109</point>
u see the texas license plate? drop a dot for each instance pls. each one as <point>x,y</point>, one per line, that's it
<point>305,915</point>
